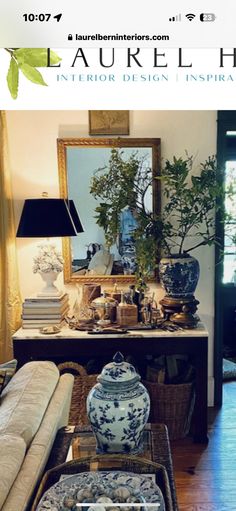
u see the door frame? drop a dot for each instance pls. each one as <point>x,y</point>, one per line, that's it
<point>226,121</point>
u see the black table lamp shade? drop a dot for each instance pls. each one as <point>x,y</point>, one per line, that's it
<point>75,216</point>
<point>46,218</point>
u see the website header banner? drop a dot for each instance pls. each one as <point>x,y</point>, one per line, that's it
<point>121,78</point>
<point>106,24</point>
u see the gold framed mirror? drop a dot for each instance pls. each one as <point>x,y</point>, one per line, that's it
<point>78,161</point>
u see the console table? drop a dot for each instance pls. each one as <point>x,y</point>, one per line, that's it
<point>72,345</point>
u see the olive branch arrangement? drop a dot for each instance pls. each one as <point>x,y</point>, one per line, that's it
<point>26,61</point>
<point>187,219</point>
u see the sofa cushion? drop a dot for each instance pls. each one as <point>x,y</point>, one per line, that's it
<point>25,399</point>
<point>37,455</point>
<point>12,449</point>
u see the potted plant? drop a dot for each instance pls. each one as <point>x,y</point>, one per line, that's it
<point>187,220</point>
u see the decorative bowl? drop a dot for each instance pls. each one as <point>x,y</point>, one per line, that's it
<point>108,489</point>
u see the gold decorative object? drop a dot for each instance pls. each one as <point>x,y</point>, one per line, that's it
<point>105,308</point>
<point>114,293</point>
<point>127,314</point>
<point>180,311</point>
<point>109,122</point>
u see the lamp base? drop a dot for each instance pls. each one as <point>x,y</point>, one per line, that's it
<point>49,290</point>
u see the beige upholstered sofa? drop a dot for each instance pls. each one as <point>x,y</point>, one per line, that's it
<point>34,405</point>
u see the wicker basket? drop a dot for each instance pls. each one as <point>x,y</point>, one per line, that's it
<point>82,385</point>
<point>173,405</point>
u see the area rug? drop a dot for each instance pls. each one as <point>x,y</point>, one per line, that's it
<point>229,370</point>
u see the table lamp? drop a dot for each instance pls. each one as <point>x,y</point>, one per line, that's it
<point>47,218</point>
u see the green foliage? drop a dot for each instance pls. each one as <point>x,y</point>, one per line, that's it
<point>191,202</point>
<point>32,74</point>
<point>36,57</point>
<point>188,214</point>
<point>27,60</point>
<point>13,78</point>
<point>146,256</point>
<point>124,182</point>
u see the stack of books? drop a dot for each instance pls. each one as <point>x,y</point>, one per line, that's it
<point>43,311</point>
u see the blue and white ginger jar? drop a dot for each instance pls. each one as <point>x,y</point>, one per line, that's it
<point>118,408</point>
<point>179,275</point>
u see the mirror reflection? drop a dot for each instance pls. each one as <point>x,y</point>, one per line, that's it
<point>81,163</point>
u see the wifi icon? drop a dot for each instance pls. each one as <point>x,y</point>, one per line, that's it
<point>190,17</point>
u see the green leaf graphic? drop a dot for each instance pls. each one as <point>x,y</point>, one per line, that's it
<point>36,57</point>
<point>32,74</point>
<point>13,78</point>
<point>27,60</point>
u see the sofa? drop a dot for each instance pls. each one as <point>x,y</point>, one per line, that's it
<point>33,406</point>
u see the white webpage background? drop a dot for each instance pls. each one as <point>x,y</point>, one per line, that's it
<point>203,86</point>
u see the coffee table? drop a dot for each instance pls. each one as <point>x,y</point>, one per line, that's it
<point>73,443</point>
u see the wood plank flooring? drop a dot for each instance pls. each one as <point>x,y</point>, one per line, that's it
<point>206,474</point>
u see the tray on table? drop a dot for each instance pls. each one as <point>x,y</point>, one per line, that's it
<point>76,443</point>
<point>109,463</point>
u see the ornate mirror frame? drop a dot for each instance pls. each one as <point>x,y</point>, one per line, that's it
<point>62,145</point>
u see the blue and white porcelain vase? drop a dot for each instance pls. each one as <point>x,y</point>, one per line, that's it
<point>118,408</point>
<point>179,275</point>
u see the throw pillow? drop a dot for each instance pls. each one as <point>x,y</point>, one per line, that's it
<point>6,372</point>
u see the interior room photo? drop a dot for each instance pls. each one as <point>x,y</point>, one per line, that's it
<point>118,310</point>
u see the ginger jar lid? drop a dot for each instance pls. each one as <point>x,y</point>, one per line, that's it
<point>119,372</point>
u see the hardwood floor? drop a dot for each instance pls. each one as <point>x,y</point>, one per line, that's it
<point>206,474</point>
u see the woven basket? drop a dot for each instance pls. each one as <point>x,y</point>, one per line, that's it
<point>82,385</point>
<point>173,405</point>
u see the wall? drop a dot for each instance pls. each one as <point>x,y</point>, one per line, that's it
<point>33,160</point>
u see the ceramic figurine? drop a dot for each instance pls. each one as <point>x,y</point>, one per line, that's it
<point>118,408</point>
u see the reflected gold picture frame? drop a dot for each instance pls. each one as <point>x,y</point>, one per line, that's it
<point>90,143</point>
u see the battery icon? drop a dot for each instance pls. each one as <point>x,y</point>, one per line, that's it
<point>207,16</point>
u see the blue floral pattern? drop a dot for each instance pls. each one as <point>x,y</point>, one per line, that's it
<point>179,275</point>
<point>115,372</point>
<point>118,416</point>
<point>136,417</point>
<point>118,370</point>
<point>88,487</point>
